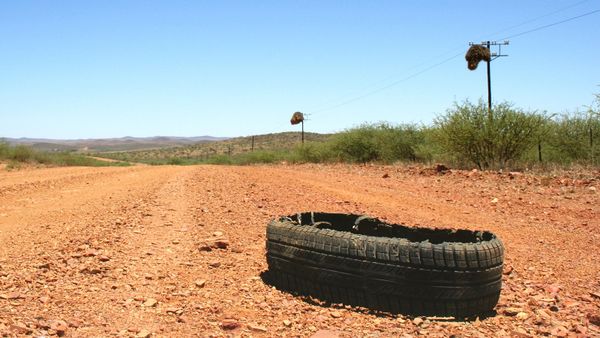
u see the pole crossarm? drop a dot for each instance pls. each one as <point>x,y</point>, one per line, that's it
<point>488,44</point>
<point>492,56</point>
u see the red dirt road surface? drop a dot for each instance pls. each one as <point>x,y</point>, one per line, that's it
<point>116,251</point>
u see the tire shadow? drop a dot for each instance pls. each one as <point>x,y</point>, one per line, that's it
<point>268,277</point>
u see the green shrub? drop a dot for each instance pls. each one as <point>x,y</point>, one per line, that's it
<point>4,149</point>
<point>24,154</point>
<point>21,153</point>
<point>379,142</point>
<point>571,138</point>
<point>312,152</point>
<point>470,133</point>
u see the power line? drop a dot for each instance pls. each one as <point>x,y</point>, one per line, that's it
<point>325,105</point>
<point>380,89</point>
<point>391,84</point>
<point>550,25</point>
<point>562,9</point>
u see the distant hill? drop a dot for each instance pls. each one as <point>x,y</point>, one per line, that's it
<point>127,143</point>
<point>236,145</point>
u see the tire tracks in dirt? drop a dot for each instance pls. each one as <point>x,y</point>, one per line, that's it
<point>116,251</point>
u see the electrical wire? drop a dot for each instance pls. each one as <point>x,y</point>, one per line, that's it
<point>373,92</point>
<point>367,87</point>
<point>550,25</point>
<point>562,9</point>
<point>380,89</point>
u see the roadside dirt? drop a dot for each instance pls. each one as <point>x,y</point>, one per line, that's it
<point>115,251</point>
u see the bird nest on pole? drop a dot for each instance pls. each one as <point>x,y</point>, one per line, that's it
<point>476,54</point>
<point>297,118</point>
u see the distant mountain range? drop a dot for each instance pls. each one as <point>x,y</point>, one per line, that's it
<point>127,143</point>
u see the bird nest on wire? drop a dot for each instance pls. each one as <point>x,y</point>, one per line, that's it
<point>476,54</point>
<point>297,118</point>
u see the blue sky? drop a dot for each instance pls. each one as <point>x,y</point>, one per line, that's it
<point>90,69</point>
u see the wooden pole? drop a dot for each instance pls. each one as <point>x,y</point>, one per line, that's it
<point>489,83</point>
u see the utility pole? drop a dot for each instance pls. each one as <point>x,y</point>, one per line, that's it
<point>252,143</point>
<point>493,56</point>
<point>297,118</point>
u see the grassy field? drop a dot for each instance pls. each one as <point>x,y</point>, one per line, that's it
<point>267,148</point>
<point>17,156</point>
<point>467,136</point>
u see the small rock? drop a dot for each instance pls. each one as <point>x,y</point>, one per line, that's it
<point>230,324</point>
<point>205,247</point>
<point>75,323</point>
<point>287,323</point>
<point>508,269</point>
<point>200,283</point>
<point>175,241</point>
<point>335,314</point>
<point>60,326</point>
<point>418,321</point>
<point>519,332</point>
<point>214,264</point>
<point>20,328</point>
<point>581,329</point>
<point>559,331</point>
<point>174,310</point>
<point>494,200</point>
<point>150,302</point>
<point>386,175</point>
<point>592,189</point>
<point>512,311</point>
<point>221,243</point>
<point>217,234</point>
<point>143,334</point>
<point>522,315</point>
<point>440,168</point>
<point>91,253</point>
<point>11,296</point>
<point>43,325</point>
<point>542,313</point>
<point>326,334</point>
<point>104,258</point>
<point>594,318</point>
<point>258,328</point>
<point>44,266</point>
<point>552,289</point>
<point>595,294</point>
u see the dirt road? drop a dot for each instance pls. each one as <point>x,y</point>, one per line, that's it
<point>114,251</point>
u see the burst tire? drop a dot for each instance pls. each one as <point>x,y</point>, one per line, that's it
<point>358,260</point>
